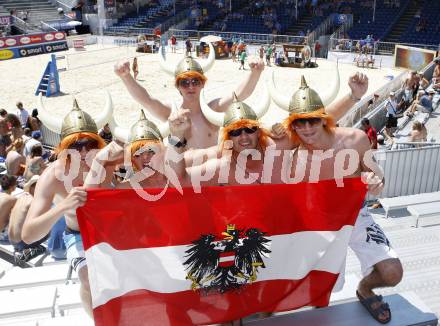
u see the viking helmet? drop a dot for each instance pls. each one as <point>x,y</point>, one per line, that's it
<point>144,129</point>
<point>188,64</point>
<point>77,121</point>
<point>285,103</point>
<point>305,99</point>
<point>238,111</point>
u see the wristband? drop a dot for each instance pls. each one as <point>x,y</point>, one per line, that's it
<point>352,97</point>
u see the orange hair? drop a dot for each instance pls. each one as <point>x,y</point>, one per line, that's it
<point>138,144</point>
<point>263,140</point>
<point>329,126</point>
<point>67,141</point>
<point>190,74</point>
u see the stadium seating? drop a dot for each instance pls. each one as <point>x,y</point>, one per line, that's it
<point>385,17</point>
<point>431,35</point>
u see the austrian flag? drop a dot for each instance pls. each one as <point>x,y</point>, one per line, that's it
<point>215,256</point>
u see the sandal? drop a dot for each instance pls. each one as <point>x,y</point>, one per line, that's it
<point>376,312</point>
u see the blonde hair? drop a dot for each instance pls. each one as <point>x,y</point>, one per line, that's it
<point>329,126</point>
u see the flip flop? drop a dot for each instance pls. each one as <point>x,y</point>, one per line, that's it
<point>375,313</point>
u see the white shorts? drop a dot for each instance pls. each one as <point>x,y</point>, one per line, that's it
<point>74,250</point>
<point>369,243</point>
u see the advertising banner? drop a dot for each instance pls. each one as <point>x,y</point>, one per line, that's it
<point>20,40</point>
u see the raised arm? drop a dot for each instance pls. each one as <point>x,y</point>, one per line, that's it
<point>244,90</point>
<point>140,94</point>
<point>358,84</point>
<point>103,165</point>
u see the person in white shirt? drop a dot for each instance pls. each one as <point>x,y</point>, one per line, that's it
<point>391,116</point>
<point>22,114</point>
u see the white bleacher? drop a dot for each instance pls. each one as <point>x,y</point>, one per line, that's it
<point>405,201</point>
<point>75,320</point>
<point>17,277</point>
<point>429,213</point>
<point>68,298</point>
<point>18,303</point>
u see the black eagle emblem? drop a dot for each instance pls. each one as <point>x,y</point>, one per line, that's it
<point>228,264</point>
<point>375,233</point>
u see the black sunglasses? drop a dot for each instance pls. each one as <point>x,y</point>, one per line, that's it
<point>89,144</point>
<point>237,132</point>
<point>302,122</point>
<point>186,82</point>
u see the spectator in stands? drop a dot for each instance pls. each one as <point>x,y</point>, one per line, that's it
<point>436,73</point>
<point>34,122</point>
<point>422,82</point>
<point>35,163</point>
<point>3,113</point>
<point>22,114</point>
<point>106,133</point>
<point>8,184</point>
<point>35,140</point>
<point>370,131</point>
<point>5,139</point>
<point>423,103</point>
<point>23,252</point>
<point>409,86</point>
<point>391,116</point>
<point>418,133</point>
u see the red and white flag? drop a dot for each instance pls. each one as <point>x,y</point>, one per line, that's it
<point>216,256</point>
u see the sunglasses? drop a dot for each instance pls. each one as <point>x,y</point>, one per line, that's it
<point>238,132</point>
<point>301,123</point>
<point>147,150</point>
<point>186,82</point>
<point>86,143</point>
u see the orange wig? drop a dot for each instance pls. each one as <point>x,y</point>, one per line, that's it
<point>328,126</point>
<point>138,144</point>
<point>189,75</point>
<point>67,141</point>
<point>263,140</point>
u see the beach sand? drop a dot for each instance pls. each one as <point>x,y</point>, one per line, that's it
<point>90,73</point>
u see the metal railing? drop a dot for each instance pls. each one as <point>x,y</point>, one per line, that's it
<point>349,45</point>
<point>245,37</point>
<point>410,171</point>
<point>45,27</point>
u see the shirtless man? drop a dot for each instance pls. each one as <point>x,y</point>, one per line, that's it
<point>189,81</point>
<point>316,133</point>
<point>410,85</point>
<point>146,153</point>
<point>7,201</point>
<point>79,136</point>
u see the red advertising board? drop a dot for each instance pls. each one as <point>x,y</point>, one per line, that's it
<point>21,40</point>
